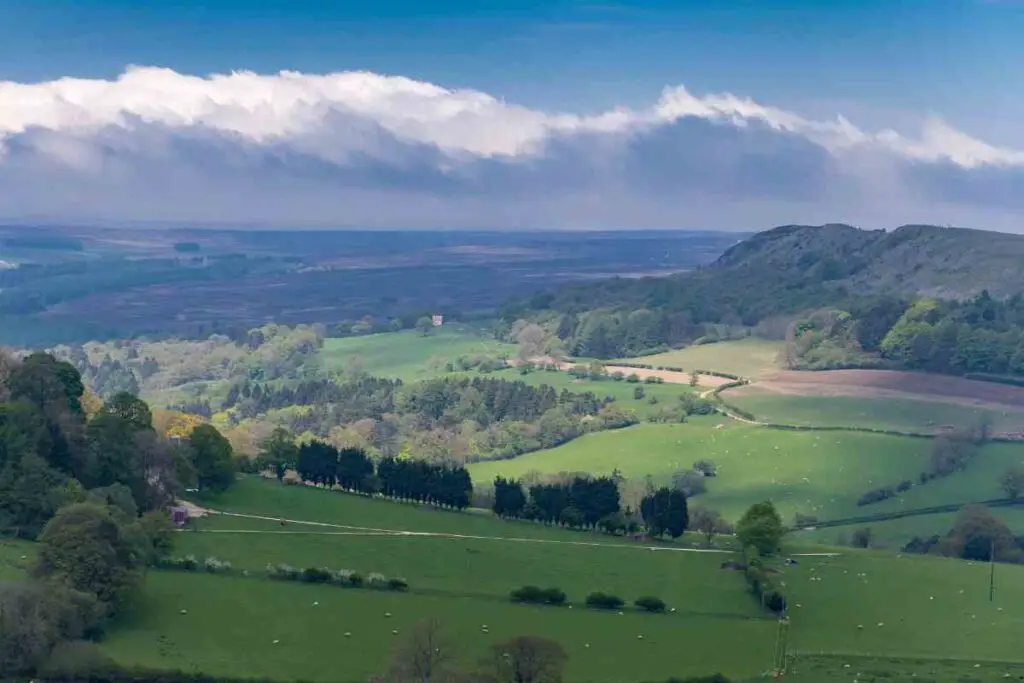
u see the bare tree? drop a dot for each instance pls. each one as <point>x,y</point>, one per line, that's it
<point>527,659</point>
<point>426,656</point>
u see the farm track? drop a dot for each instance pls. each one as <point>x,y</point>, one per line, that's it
<point>370,531</point>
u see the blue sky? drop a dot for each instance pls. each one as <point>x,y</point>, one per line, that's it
<point>880,65</point>
<point>961,58</point>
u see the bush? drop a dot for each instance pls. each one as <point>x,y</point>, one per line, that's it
<point>633,378</point>
<point>650,604</point>
<point>376,580</point>
<point>538,596</point>
<point>398,584</point>
<point>604,601</point>
<point>215,566</point>
<point>528,594</point>
<point>876,496</point>
<point>185,564</point>
<point>315,575</point>
<point>638,393</point>
<point>283,572</point>
<point>774,600</point>
<point>554,596</point>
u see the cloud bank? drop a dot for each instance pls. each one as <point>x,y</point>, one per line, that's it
<point>364,150</point>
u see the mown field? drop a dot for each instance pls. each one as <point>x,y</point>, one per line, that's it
<point>749,357</point>
<point>923,618</point>
<point>408,355</point>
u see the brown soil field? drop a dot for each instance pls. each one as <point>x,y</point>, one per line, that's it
<point>895,384</point>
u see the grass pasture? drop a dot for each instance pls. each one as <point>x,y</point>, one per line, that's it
<point>408,355</point>
<point>923,618</point>
<point>749,357</point>
<point>231,621</point>
<point>879,412</point>
<point>819,473</point>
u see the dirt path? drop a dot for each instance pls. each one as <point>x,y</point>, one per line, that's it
<point>370,531</point>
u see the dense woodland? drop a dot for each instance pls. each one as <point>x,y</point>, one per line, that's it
<point>447,419</point>
<point>980,337</point>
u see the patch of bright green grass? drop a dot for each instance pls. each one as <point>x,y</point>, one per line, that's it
<point>408,355</point>
<point>819,473</point>
<point>750,357</point>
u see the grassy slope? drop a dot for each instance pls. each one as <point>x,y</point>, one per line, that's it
<point>231,621</point>
<point>408,355</point>
<point>874,413</point>
<point>746,357</point>
<point>755,463</point>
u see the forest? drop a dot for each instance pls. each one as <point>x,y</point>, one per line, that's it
<point>980,338</point>
<point>452,418</point>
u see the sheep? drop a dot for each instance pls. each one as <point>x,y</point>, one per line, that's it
<point>276,642</point>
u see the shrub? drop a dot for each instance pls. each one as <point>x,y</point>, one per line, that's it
<point>538,596</point>
<point>554,596</point>
<point>355,580</point>
<point>398,584</point>
<point>528,594</point>
<point>876,496</point>
<point>604,601</point>
<point>186,564</point>
<point>633,378</point>
<point>283,572</point>
<point>774,600</point>
<point>376,580</point>
<point>215,566</point>
<point>650,603</point>
<point>315,575</point>
<point>638,393</point>
<point>341,577</point>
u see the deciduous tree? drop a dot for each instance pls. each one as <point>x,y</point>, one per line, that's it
<point>761,527</point>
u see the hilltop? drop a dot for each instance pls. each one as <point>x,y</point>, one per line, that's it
<point>924,260</point>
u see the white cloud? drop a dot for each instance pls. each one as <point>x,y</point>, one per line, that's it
<point>359,148</point>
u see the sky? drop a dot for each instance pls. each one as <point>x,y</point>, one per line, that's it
<point>731,115</point>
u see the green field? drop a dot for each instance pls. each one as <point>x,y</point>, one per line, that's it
<point>749,357</point>
<point>898,414</point>
<point>231,621</point>
<point>408,355</point>
<point>924,616</point>
<point>819,473</point>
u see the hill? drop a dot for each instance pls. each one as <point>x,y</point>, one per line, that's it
<point>923,260</point>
